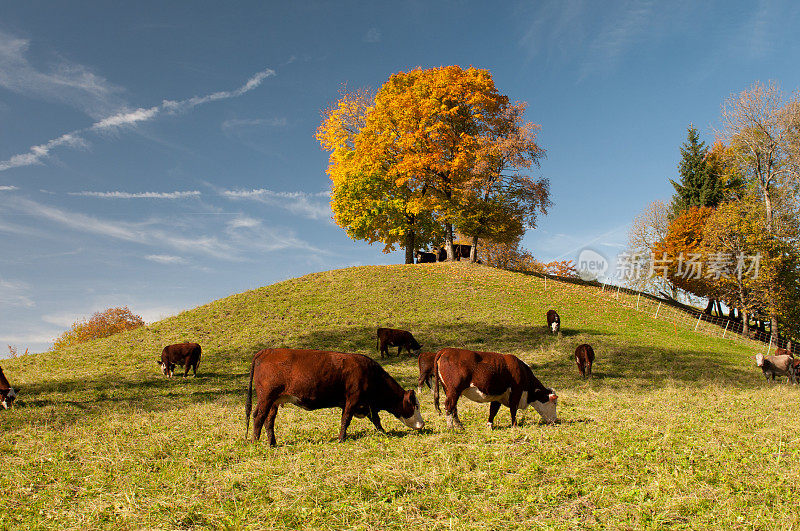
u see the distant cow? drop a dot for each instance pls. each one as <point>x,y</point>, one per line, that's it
<point>425,258</point>
<point>553,321</point>
<point>314,379</point>
<point>425,362</point>
<point>459,251</point>
<point>390,337</point>
<point>773,366</point>
<point>584,357</point>
<point>182,354</point>
<point>7,393</point>
<point>489,377</point>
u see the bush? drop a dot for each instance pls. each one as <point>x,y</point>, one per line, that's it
<point>101,324</point>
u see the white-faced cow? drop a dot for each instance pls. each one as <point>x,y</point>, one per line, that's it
<point>773,366</point>
<point>584,357</point>
<point>390,337</point>
<point>425,362</point>
<point>7,393</point>
<point>181,354</point>
<point>553,321</point>
<point>501,379</point>
<point>314,379</point>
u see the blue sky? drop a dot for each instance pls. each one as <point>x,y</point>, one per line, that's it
<point>161,155</point>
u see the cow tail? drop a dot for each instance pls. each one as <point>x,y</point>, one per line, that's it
<point>248,406</point>
<point>436,383</point>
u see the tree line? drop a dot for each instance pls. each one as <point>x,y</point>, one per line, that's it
<point>731,233</point>
<point>433,153</point>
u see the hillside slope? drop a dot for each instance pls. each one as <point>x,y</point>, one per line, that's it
<point>675,429</point>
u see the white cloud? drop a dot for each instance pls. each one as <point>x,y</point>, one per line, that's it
<point>126,118</point>
<point>243,222</point>
<point>15,294</point>
<point>140,195</point>
<point>372,35</point>
<point>62,81</point>
<point>6,188</point>
<point>236,123</point>
<point>300,203</point>
<point>165,259</point>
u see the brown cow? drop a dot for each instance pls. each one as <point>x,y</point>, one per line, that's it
<point>390,337</point>
<point>783,352</point>
<point>584,357</point>
<point>489,377</point>
<point>314,379</point>
<point>460,251</point>
<point>182,354</point>
<point>425,258</point>
<point>425,362</point>
<point>773,366</point>
<point>553,321</point>
<point>7,393</point>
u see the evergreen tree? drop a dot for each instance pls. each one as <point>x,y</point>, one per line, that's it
<point>699,185</point>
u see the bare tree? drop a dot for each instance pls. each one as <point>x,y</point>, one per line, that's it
<point>649,228</point>
<point>763,131</point>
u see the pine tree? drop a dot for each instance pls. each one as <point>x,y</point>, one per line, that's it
<point>699,185</point>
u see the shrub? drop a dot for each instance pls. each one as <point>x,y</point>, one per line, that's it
<point>101,324</point>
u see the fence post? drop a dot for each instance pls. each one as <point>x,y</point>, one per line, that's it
<point>769,348</point>
<point>545,283</point>
<point>699,316</point>
<point>637,301</point>
<point>726,328</point>
<point>618,292</point>
<point>657,309</point>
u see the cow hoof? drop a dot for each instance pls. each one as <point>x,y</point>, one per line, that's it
<point>490,426</point>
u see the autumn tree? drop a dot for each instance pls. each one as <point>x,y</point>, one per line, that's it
<point>647,230</point>
<point>101,324</point>
<point>422,143</point>
<point>699,185</point>
<point>762,130</point>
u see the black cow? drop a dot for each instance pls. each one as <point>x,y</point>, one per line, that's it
<point>390,337</point>
<point>7,393</point>
<point>460,251</point>
<point>183,354</point>
<point>424,258</point>
<point>553,321</point>
<point>314,379</point>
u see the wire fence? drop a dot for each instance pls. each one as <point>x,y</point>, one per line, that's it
<point>676,313</point>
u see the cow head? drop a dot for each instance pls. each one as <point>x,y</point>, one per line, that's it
<point>409,411</point>
<point>759,360</point>
<point>166,370</point>
<point>7,397</point>
<point>554,327</point>
<point>545,402</point>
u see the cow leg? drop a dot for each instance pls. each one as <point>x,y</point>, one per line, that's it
<point>494,407</point>
<point>376,420</point>
<point>420,381</point>
<point>451,408</point>
<point>384,350</point>
<point>399,350</point>
<point>513,404</point>
<point>186,369</point>
<point>194,368</point>
<point>262,409</point>
<point>347,416</point>
<point>273,412</point>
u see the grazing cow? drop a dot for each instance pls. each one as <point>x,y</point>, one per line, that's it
<point>459,251</point>
<point>553,321</point>
<point>182,354</point>
<point>7,393</point>
<point>425,362</point>
<point>424,258</point>
<point>489,377</point>
<point>773,366</point>
<point>584,357</point>
<point>390,337</point>
<point>314,379</point>
<point>794,371</point>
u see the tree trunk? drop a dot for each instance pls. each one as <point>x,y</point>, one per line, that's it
<point>410,243</point>
<point>773,327</point>
<point>448,241</point>
<point>473,254</point>
<point>745,323</point>
<point>709,307</point>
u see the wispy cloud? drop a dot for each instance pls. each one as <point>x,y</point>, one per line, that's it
<point>312,206</point>
<point>165,259</point>
<point>74,139</point>
<point>243,222</point>
<point>618,36</point>
<point>14,294</point>
<point>7,188</point>
<point>62,80</point>
<point>372,35</point>
<point>140,195</point>
<point>236,123</point>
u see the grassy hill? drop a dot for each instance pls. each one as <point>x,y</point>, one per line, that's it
<point>676,429</point>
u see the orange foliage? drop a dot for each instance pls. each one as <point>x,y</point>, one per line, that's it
<point>677,253</point>
<point>101,324</point>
